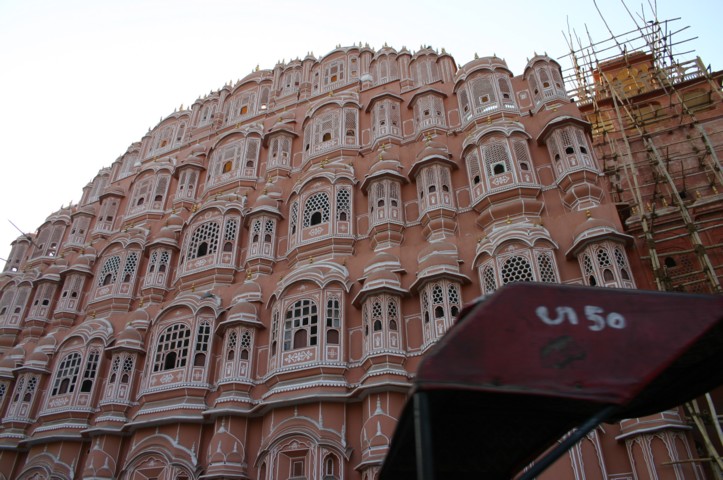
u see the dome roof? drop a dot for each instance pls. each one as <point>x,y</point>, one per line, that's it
<point>37,359</point>
<point>593,223</point>
<point>383,261</point>
<point>432,151</point>
<point>53,272</point>
<point>242,308</point>
<point>265,203</point>
<point>433,148</point>
<point>7,363</point>
<point>130,338</point>
<point>194,160</point>
<point>436,248</point>
<point>439,260</point>
<point>48,342</point>
<point>175,220</point>
<point>139,318</point>
<point>489,63</point>
<point>83,262</point>
<point>249,291</point>
<point>595,230</point>
<point>198,150</point>
<point>382,276</point>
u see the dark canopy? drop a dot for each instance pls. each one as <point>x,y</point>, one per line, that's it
<point>533,361</point>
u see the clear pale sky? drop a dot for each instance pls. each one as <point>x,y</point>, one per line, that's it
<point>81,80</point>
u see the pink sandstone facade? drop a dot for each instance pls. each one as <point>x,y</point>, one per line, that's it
<point>247,291</point>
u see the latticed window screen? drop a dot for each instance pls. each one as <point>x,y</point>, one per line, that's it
<point>202,336</point>
<point>603,259</point>
<point>6,300</point>
<point>256,230</point>
<point>229,157</point>
<point>21,299</point>
<point>79,230</point>
<point>114,367</point>
<point>453,299</point>
<point>546,268</point>
<point>91,369</point>
<point>128,363</point>
<point>301,325</point>
<point>129,269</point>
<point>231,341</point>
<point>269,226</point>
<point>19,388</point>
<point>483,92</point>
<point>141,192</point>
<point>517,269</point>
<point>109,272</point>
<point>343,204</point>
<point>280,151</point>
<point>160,191</point>
<point>204,240</point>
<point>438,301</point>
<point>326,127</point>
<point>294,217</point>
<point>317,209</point>
<point>386,70</point>
<point>392,313</point>
<point>589,270</point>
<point>334,72</point>
<point>30,388</point>
<point>187,185</point>
<point>172,348</point>
<point>472,161</point>
<point>274,330</point>
<point>230,230</point>
<point>488,279</point>
<point>522,154</point>
<point>566,141</point>
<point>620,258</point>
<point>67,375</point>
<point>165,259</point>
<point>496,155</point>
<point>424,71</point>
<point>252,152</point>
<point>333,313</point>
<point>245,340</point>
<point>505,88</point>
<point>377,318</point>
<point>43,296</point>
<point>350,123</point>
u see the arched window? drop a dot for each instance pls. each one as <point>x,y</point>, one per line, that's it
<point>605,264</point>
<point>317,209</point>
<point>231,342</point>
<point>118,271</point>
<point>333,320</point>
<point>172,348</point>
<point>109,271</point>
<point>441,303</point>
<point>435,181</point>
<point>203,334</point>
<point>301,325</point>
<point>204,240</point>
<point>489,281</point>
<point>67,374</point>
<point>343,204</point>
<point>517,269</point>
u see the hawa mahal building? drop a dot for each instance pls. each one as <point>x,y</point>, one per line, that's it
<point>247,291</point>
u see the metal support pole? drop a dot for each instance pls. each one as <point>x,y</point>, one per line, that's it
<point>539,466</point>
<point>423,437</point>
